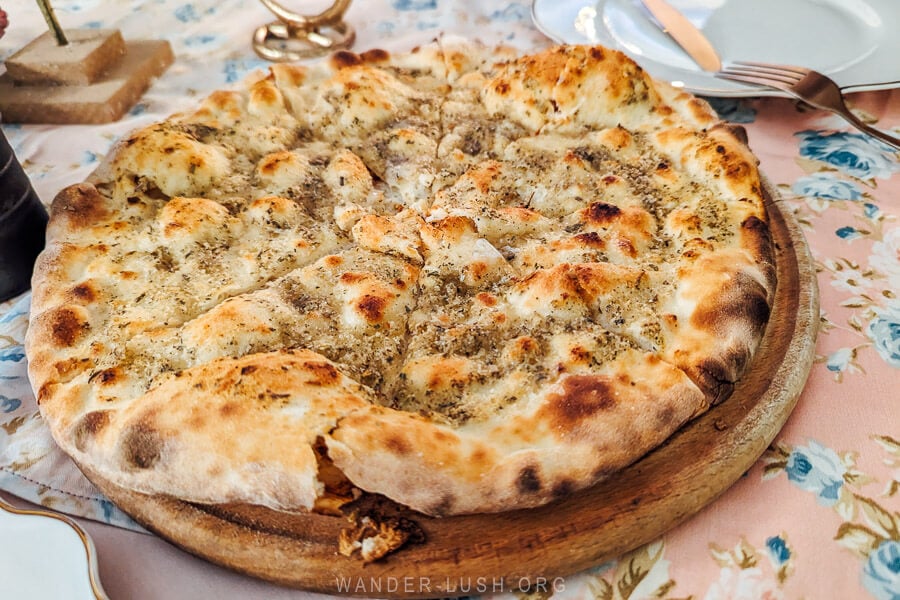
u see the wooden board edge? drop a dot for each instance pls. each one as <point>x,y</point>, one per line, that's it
<point>554,540</point>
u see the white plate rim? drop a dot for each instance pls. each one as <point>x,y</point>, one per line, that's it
<point>721,88</point>
<point>90,551</point>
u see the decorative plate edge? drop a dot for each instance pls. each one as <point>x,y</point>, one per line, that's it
<point>89,549</point>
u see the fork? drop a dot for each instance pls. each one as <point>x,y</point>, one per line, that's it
<point>807,85</point>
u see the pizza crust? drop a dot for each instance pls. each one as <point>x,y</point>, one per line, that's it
<point>478,282</point>
<point>559,440</point>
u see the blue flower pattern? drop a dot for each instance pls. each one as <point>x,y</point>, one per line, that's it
<point>201,40</point>
<point>839,360</point>
<point>884,331</point>
<point>778,550</point>
<point>12,315</point>
<point>871,210</point>
<point>826,185</point>
<point>512,12</point>
<point>78,7</point>
<point>414,4</point>
<point>385,28</point>
<point>854,154</point>
<point>848,233</point>
<point>881,573</point>
<point>138,109</point>
<point>236,70</point>
<point>815,468</point>
<point>12,353</point>
<point>8,405</point>
<point>733,109</point>
<point>186,13</point>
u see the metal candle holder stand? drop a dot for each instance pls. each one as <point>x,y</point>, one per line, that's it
<point>296,37</point>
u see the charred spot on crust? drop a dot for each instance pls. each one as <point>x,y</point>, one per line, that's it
<point>81,204</point>
<point>738,131</point>
<point>478,457</point>
<point>323,373</point>
<point>754,223</point>
<point>756,308</point>
<point>269,165</point>
<point>742,304</point>
<point>344,58</point>
<point>712,378</point>
<point>397,445</point>
<point>142,446</point>
<point>626,247</point>
<point>756,236</point>
<point>563,488</point>
<point>372,307</point>
<point>89,427</point>
<point>443,506</point>
<point>579,354</point>
<point>351,278</point>
<point>229,408</point>
<point>247,369</point>
<point>68,368</point>
<point>67,327</point>
<point>665,416</point>
<point>442,436</point>
<point>106,376</point>
<point>197,420</point>
<point>375,55</point>
<point>528,481</point>
<point>582,397</point>
<point>487,299</point>
<point>84,292</point>
<point>601,212</point>
<point>265,94</point>
<point>527,344</point>
<point>477,269</point>
<point>591,238</point>
<point>44,392</point>
<point>737,169</point>
<point>596,53</point>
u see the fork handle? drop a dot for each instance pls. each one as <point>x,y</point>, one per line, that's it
<point>875,133</point>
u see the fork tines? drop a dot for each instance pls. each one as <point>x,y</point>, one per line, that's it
<point>772,68</point>
<point>763,74</point>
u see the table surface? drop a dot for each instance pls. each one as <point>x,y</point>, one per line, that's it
<point>818,516</point>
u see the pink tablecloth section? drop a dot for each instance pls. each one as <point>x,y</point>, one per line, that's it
<point>817,517</point>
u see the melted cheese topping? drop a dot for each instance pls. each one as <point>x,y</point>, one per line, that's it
<point>452,230</point>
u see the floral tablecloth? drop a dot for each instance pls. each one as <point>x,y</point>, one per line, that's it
<point>817,517</point>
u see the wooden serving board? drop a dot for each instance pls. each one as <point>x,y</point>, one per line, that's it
<point>631,508</point>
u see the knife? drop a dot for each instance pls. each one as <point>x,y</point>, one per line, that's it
<point>691,39</point>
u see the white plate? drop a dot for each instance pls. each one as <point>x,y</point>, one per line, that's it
<point>853,41</point>
<point>46,556</point>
